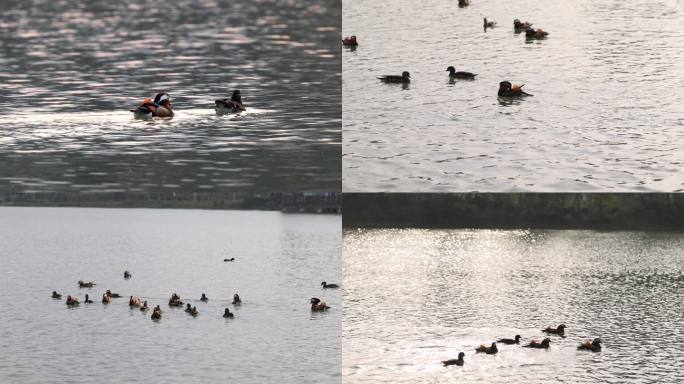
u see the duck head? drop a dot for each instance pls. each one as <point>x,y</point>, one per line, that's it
<point>315,300</point>
<point>517,338</point>
<point>596,342</point>
<point>163,99</point>
<point>406,75</point>
<point>451,70</point>
<point>561,328</point>
<point>493,346</point>
<point>461,356</point>
<point>323,284</point>
<point>505,86</point>
<point>546,342</point>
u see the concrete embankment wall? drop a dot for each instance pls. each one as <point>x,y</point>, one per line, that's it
<point>629,211</point>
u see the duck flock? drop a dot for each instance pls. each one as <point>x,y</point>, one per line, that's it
<point>506,88</point>
<point>317,305</point>
<point>160,106</point>
<point>588,345</point>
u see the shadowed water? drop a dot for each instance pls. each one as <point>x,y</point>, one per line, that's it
<point>605,116</point>
<point>69,73</point>
<point>280,261</point>
<point>414,298</point>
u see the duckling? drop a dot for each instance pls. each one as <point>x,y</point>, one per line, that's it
<point>404,78</point>
<point>113,295</point>
<point>227,314</point>
<point>127,275</point>
<point>506,89</point>
<point>188,308</point>
<point>194,312</point>
<point>159,107</point>
<point>231,259</point>
<point>350,41</point>
<point>489,24</point>
<point>510,341</point>
<point>463,3</point>
<point>106,299</point>
<point>318,305</point>
<point>204,298</point>
<point>594,346</point>
<point>144,307</point>
<point>492,350</point>
<point>458,361</point>
<point>56,295</point>
<point>538,33</point>
<point>520,26</point>
<point>460,74</point>
<point>87,300</point>
<point>326,285</point>
<point>71,301</point>
<point>83,284</point>
<point>226,106</point>
<point>560,330</point>
<point>535,344</point>
<point>236,299</point>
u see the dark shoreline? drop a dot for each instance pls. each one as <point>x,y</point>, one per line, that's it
<point>600,211</point>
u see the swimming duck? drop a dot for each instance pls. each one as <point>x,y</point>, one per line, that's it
<point>350,41</point>
<point>590,345</point>
<point>460,74</point>
<point>489,24</point>
<point>194,311</point>
<point>236,299</point>
<point>71,301</point>
<point>159,107</point>
<point>83,284</point>
<point>490,351</point>
<point>227,314</point>
<point>326,285</point>
<point>106,299</point>
<point>538,33</point>
<point>535,344</point>
<point>520,26</point>
<point>463,3</point>
<point>232,105</point>
<point>87,300</point>
<point>112,295</point>
<point>127,275</point>
<point>560,330</point>
<point>458,361</point>
<point>231,259</point>
<point>204,298</point>
<point>175,301</point>
<point>157,313</point>
<point>56,295</point>
<point>188,308</point>
<point>404,78</point>
<point>144,306</point>
<point>134,302</point>
<point>510,341</point>
<point>318,305</point>
<point>506,89</point>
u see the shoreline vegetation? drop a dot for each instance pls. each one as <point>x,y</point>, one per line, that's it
<point>600,211</point>
<point>287,202</point>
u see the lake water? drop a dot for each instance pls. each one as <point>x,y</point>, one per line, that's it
<point>69,73</point>
<point>416,297</point>
<point>280,261</point>
<point>605,116</point>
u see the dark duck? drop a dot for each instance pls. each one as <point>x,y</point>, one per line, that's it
<point>516,340</point>
<point>506,89</point>
<point>463,3</point>
<point>350,41</point>
<point>227,314</point>
<point>318,305</point>
<point>175,301</point>
<point>232,105</point>
<point>491,350</point>
<point>87,299</point>
<point>520,26</point>
<point>236,299</point>
<point>326,285</point>
<point>453,74</point>
<point>204,298</point>
<point>458,361</point>
<point>71,301</point>
<point>591,345</point>
<point>84,284</point>
<point>489,24</point>
<point>127,275</point>
<point>538,33</point>
<point>404,78</point>
<point>56,295</point>
<point>535,344</point>
<point>560,330</point>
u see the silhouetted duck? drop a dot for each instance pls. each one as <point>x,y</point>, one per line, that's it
<point>510,341</point>
<point>538,33</point>
<point>105,298</point>
<point>87,300</point>
<point>460,74</point>
<point>175,301</point>
<point>113,295</point>
<point>159,107</point>
<point>156,313</point>
<point>404,78</point>
<point>589,345</point>
<point>71,301</point>
<point>194,311</point>
<point>227,314</point>
<point>232,105</point>
<point>204,298</point>
<point>506,89</point>
<point>56,295</point>
<point>188,308</point>
<point>236,299</point>
<point>83,284</point>
<point>318,305</point>
<point>463,3</point>
<point>326,285</point>
<point>488,350</point>
<point>535,344</point>
<point>520,26</point>
<point>144,306</point>
<point>231,259</point>
<point>458,361</point>
<point>350,41</point>
<point>127,275</point>
<point>489,24</point>
<point>560,330</point>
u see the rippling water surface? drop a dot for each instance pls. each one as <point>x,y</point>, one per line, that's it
<point>414,298</point>
<point>606,112</point>
<point>280,261</point>
<point>70,72</point>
